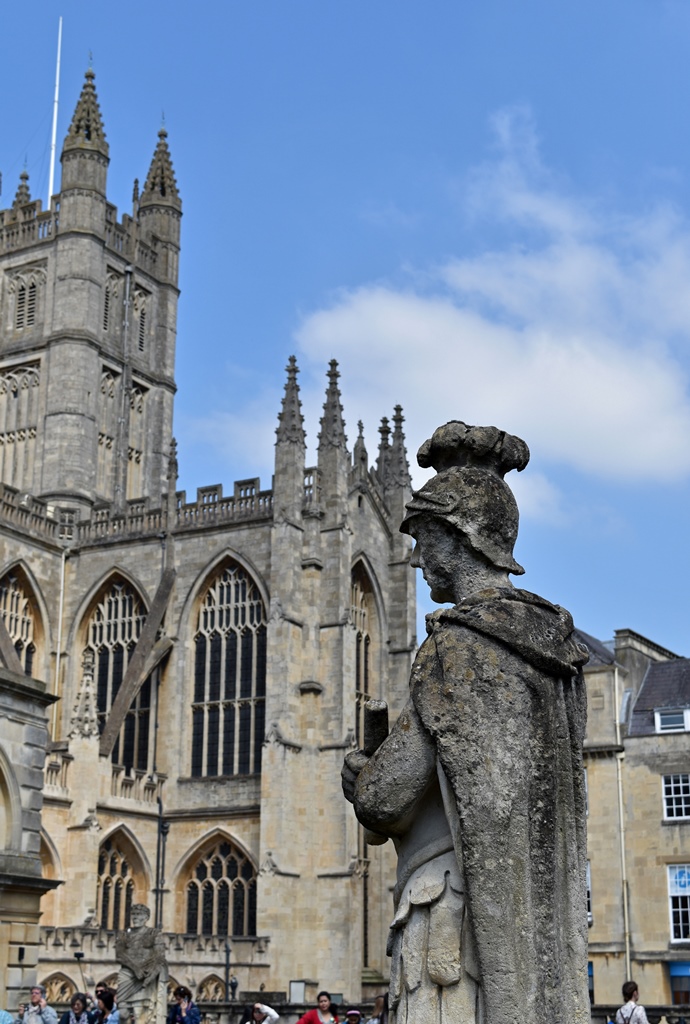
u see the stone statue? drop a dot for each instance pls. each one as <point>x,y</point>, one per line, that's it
<point>143,976</point>
<point>480,782</point>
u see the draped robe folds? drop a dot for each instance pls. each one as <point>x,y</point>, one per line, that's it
<point>499,690</point>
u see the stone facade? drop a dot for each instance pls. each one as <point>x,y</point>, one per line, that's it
<point>23,743</point>
<point>211,656</point>
<point>637,759</point>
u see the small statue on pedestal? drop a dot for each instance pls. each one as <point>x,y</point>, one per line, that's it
<point>143,976</point>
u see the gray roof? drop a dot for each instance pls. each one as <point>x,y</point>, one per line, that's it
<point>599,653</point>
<point>666,685</point>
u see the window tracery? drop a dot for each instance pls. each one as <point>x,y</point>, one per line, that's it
<point>26,287</point>
<point>229,677</point>
<point>221,893</point>
<point>362,615</point>
<point>115,886</point>
<point>112,632</point>
<point>19,616</point>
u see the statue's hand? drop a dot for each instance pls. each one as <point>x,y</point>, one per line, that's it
<point>354,762</point>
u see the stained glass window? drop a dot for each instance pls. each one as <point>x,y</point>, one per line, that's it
<point>115,887</point>
<point>113,630</point>
<point>229,677</point>
<point>221,893</point>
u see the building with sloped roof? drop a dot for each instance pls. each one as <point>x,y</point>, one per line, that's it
<point>637,757</point>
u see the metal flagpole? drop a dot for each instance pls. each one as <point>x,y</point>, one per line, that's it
<point>51,179</point>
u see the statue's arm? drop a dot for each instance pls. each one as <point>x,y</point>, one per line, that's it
<point>386,788</point>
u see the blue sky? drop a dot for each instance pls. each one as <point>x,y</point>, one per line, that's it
<point>482,210</point>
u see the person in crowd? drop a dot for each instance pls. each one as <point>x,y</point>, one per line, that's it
<point>258,1012</point>
<point>380,1014</point>
<point>92,1000</point>
<point>631,1012</point>
<point>37,1011</point>
<point>77,1013</point>
<point>353,1016</point>
<point>323,1013</point>
<point>107,1013</point>
<point>5,1017</point>
<point>183,1010</point>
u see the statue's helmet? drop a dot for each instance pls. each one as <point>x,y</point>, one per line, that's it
<point>469,492</point>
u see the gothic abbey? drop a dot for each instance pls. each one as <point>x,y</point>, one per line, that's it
<point>211,657</point>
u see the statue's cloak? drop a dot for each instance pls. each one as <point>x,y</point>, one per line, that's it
<point>499,686</point>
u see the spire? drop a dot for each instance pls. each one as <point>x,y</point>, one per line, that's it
<point>398,467</point>
<point>290,428</point>
<point>160,187</point>
<point>332,432</point>
<point>360,457</point>
<point>84,719</point>
<point>23,195</point>
<point>86,130</point>
<point>172,467</point>
<point>384,451</point>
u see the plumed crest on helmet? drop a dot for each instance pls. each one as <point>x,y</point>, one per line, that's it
<point>459,444</point>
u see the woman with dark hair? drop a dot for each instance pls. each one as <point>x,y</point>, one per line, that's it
<point>77,1013</point>
<point>106,1008</point>
<point>259,1012</point>
<point>183,1010</point>
<point>324,1012</point>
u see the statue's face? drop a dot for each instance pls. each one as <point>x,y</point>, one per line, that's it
<point>139,917</point>
<point>436,550</point>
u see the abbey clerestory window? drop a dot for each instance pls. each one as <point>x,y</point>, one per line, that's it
<point>229,677</point>
<point>362,614</point>
<point>221,893</point>
<point>115,887</point>
<point>113,630</point>
<point>19,617</point>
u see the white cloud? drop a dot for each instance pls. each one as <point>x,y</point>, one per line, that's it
<point>576,340</point>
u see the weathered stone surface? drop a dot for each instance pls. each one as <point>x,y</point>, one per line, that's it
<point>141,982</point>
<point>480,782</point>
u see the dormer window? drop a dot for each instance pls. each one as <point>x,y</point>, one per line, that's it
<point>672,720</point>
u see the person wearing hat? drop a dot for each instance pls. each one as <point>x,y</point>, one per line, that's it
<point>353,1016</point>
<point>480,781</point>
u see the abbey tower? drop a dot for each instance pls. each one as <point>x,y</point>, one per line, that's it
<point>211,656</point>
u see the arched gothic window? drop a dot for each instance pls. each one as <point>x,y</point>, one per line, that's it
<point>363,618</point>
<point>19,617</point>
<point>221,893</point>
<point>115,887</point>
<point>366,628</point>
<point>25,284</point>
<point>229,677</point>
<point>113,630</point>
